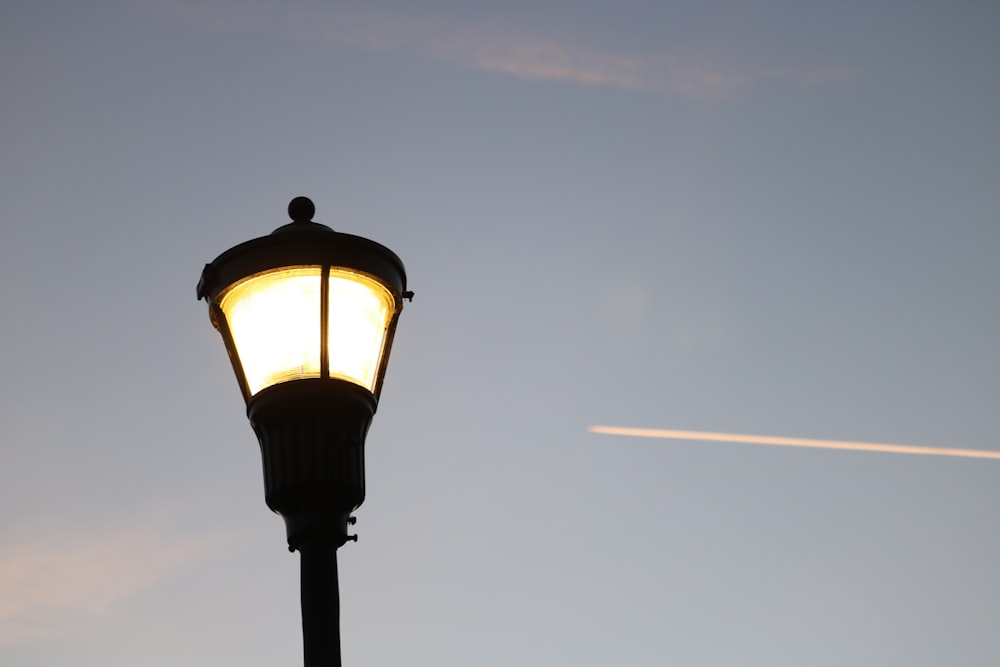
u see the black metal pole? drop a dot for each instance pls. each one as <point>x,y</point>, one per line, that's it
<point>320,605</point>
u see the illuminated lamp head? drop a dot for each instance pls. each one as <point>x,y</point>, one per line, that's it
<point>308,316</point>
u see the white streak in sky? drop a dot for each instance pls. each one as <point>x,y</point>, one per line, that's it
<point>794,442</point>
<point>527,54</point>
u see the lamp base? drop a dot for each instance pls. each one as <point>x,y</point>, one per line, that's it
<point>312,444</point>
<point>318,529</point>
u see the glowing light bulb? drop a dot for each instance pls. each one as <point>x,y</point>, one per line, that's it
<point>274,321</point>
<point>360,309</point>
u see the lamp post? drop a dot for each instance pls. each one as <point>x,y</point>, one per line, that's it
<point>308,315</point>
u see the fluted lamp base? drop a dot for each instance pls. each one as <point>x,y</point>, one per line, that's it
<point>312,444</point>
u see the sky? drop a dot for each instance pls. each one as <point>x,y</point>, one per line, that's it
<point>768,218</point>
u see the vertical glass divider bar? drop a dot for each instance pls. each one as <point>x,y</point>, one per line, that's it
<point>324,323</point>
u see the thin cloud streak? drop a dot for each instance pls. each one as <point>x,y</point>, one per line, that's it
<point>540,58</point>
<point>522,54</point>
<point>573,63</point>
<point>793,442</point>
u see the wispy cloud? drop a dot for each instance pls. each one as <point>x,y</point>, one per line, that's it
<point>542,59</point>
<point>794,442</point>
<point>523,54</point>
<point>50,585</point>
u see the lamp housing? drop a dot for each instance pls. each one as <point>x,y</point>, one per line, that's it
<point>308,315</point>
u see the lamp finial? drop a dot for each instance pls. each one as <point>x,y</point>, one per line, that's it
<point>301,209</point>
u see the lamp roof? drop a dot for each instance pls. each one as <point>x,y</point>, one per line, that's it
<point>302,242</point>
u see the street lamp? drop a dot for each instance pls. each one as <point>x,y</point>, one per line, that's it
<point>308,315</point>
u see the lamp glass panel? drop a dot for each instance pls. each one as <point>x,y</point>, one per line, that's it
<point>274,319</point>
<point>360,310</point>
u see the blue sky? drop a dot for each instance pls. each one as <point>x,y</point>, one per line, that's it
<point>769,218</point>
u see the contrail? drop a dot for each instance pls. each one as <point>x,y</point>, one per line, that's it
<point>794,442</point>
